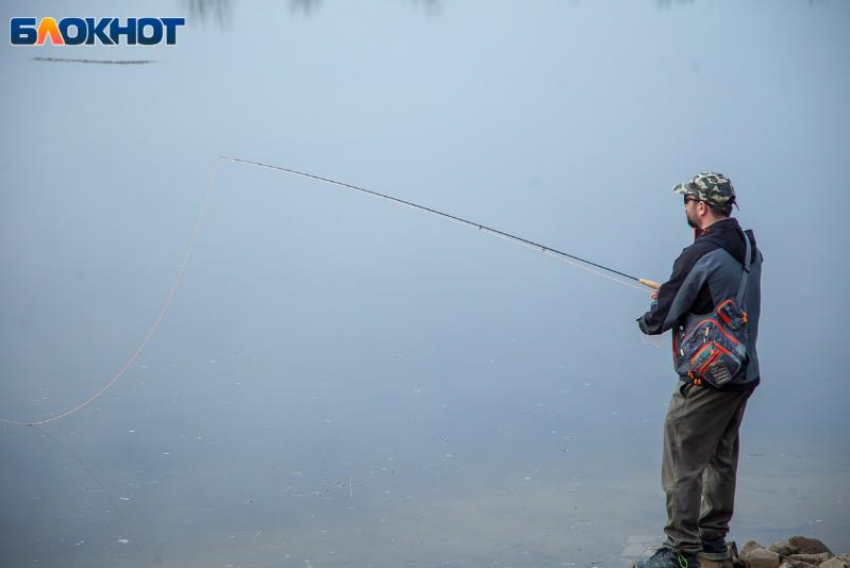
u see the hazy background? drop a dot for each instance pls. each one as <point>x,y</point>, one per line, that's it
<point>341,381</point>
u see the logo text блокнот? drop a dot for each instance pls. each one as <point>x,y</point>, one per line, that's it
<point>91,31</point>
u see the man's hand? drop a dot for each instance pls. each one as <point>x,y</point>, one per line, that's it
<point>653,295</point>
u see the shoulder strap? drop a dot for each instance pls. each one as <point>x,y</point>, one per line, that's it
<point>742,288</point>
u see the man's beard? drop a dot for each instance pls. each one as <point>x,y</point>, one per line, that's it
<point>691,224</point>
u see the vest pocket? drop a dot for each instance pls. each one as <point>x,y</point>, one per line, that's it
<point>709,352</point>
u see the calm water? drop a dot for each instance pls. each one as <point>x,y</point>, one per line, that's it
<point>340,381</point>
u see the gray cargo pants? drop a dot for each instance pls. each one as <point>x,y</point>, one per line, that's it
<point>700,461</point>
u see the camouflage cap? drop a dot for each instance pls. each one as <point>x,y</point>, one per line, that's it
<point>713,188</point>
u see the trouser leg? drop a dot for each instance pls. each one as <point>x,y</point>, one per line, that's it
<point>696,422</point>
<point>718,480</point>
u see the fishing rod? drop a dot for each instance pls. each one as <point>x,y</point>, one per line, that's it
<point>543,248</point>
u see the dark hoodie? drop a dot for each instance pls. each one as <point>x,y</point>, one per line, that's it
<point>705,274</point>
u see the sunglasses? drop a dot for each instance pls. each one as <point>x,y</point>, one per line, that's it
<point>689,198</point>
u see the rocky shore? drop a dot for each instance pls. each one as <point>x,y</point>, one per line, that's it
<point>795,552</point>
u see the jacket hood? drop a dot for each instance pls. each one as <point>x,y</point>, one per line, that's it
<point>728,234</point>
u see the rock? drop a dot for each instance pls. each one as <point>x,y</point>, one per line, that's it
<point>814,559</point>
<point>761,558</point>
<point>808,545</point>
<point>749,547</point>
<point>782,548</point>
<point>709,563</point>
<point>837,562</point>
<point>791,563</point>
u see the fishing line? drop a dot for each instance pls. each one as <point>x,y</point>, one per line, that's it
<point>130,535</point>
<point>583,263</point>
<point>592,271</point>
<point>157,320</point>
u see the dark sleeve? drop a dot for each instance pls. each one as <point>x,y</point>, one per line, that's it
<point>677,295</point>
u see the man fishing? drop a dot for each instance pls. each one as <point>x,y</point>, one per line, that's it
<point>711,303</point>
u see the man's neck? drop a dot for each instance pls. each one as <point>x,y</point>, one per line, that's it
<point>709,221</point>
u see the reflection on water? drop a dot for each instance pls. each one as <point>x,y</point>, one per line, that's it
<point>210,10</point>
<point>430,6</point>
<point>95,61</point>
<point>304,6</point>
<point>221,10</point>
<point>669,3</point>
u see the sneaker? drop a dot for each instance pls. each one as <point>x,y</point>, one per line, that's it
<point>667,558</point>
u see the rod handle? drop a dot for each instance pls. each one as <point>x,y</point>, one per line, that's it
<point>650,283</point>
